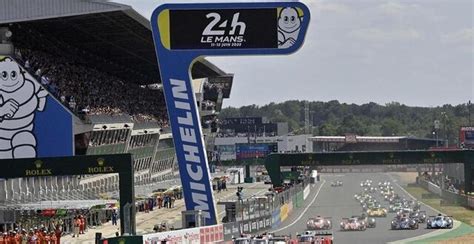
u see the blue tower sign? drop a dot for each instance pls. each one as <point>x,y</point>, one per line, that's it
<point>185,32</point>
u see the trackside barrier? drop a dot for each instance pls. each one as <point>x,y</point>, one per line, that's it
<point>449,196</point>
<point>284,210</point>
<point>299,200</point>
<point>470,202</point>
<point>306,192</point>
<point>434,189</point>
<point>253,217</point>
<point>276,218</point>
<point>206,234</point>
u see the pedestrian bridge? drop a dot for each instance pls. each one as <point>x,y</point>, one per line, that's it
<point>274,162</point>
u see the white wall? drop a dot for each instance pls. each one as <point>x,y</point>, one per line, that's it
<point>285,143</point>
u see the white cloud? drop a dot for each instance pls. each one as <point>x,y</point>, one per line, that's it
<point>463,36</point>
<point>337,8</point>
<point>326,8</point>
<point>392,8</point>
<point>379,35</point>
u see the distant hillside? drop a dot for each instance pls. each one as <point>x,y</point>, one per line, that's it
<point>334,118</point>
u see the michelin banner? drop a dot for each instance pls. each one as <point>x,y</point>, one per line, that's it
<point>184,33</point>
<point>32,122</point>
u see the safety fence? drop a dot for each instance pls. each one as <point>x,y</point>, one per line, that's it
<point>449,196</point>
<point>306,192</point>
<point>253,215</point>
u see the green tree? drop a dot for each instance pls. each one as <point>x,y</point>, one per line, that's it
<point>391,127</point>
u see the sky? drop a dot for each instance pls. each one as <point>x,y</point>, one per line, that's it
<point>416,52</point>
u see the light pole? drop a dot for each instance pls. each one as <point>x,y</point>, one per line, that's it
<point>469,111</point>
<point>445,125</point>
<point>435,132</point>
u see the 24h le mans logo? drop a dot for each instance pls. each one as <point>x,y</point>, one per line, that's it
<point>222,32</point>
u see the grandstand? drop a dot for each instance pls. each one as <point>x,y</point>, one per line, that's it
<point>97,59</point>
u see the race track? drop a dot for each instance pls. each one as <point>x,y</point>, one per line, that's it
<point>338,202</point>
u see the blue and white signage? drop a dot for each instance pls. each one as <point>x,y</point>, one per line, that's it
<point>32,123</point>
<point>186,32</point>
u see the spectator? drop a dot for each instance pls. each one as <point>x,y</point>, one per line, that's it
<point>114,217</point>
<point>79,87</point>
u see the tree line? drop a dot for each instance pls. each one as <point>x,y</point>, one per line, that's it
<point>370,119</point>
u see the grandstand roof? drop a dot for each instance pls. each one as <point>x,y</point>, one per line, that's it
<point>108,30</point>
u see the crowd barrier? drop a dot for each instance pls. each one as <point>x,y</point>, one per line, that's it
<point>463,200</point>
<point>306,192</point>
<point>433,188</point>
<point>252,218</point>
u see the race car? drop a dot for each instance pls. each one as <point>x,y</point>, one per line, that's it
<point>395,199</point>
<point>420,216</point>
<point>439,222</point>
<point>261,239</point>
<point>371,204</point>
<point>370,189</point>
<point>365,198</point>
<point>384,184</point>
<point>404,223</point>
<point>369,221</point>
<point>404,212</point>
<point>415,205</point>
<point>319,223</point>
<point>354,223</point>
<point>393,208</point>
<point>279,239</point>
<point>366,183</point>
<point>242,239</point>
<point>315,237</point>
<point>336,183</point>
<point>377,212</point>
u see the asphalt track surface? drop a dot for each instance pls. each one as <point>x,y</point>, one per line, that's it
<point>339,202</point>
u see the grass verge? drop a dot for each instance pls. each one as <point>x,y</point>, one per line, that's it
<point>458,212</point>
<point>463,234</point>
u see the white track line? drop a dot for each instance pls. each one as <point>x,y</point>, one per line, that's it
<point>304,211</point>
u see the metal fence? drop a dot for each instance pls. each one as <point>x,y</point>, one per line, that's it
<point>461,199</point>
<point>262,213</point>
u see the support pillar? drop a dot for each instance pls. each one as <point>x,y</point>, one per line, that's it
<point>468,171</point>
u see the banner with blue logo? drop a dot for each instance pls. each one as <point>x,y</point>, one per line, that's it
<point>184,33</point>
<point>32,123</point>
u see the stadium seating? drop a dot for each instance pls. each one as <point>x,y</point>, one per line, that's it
<point>86,90</point>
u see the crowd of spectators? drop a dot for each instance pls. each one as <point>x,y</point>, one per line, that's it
<point>439,179</point>
<point>89,91</point>
<point>65,73</point>
<point>208,105</point>
<point>211,90</point>
<point>210,122</point>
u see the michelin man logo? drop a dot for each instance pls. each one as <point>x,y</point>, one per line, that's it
<point>20,98</point>
<point>289,25</point>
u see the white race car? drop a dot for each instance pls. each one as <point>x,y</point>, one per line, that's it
<point>439,222</point>
<point>319,223</point>
<point>348,224</point>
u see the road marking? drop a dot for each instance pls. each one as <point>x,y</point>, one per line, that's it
<point>304,211</point>
<point>414,198</point>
